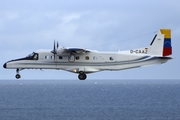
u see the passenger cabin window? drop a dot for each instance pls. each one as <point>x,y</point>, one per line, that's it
<point>87,57</point>
<point>46,57</point>
<point>52,57</point>
<point>95,58</point>
<point>60,57</point>
<point>77,57</point>
<point>111,58</point>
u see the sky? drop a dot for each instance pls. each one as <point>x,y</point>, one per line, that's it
<point>103,25</point>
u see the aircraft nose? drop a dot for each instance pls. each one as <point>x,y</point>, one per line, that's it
<point>4,65</point>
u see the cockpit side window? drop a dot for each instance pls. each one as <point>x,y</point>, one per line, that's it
<point>33,56</point>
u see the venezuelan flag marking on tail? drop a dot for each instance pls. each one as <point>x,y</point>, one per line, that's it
<point>167,49</point>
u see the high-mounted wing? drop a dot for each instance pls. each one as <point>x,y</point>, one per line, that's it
<point>56,51</point>
<point>75,50</point>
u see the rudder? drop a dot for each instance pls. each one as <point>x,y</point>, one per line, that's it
<point>167,48</point>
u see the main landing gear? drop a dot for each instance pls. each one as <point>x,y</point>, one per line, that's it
<point>82,76</point>
<point>17,73</point>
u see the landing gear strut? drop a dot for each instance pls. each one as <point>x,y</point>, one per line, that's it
<point>18,75</point>
<point>82,76</point>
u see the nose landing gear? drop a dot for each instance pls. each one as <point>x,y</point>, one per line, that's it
<point>17,73</point>
<point>18,76</point>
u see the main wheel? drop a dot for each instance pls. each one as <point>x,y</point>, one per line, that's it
<point>18,76</point>
<point>82,76</point>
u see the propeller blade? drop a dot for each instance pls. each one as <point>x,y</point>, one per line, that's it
<point>54,51</point>
<point>54,56</point>
<point>54,47</point>
<point>57,44</point>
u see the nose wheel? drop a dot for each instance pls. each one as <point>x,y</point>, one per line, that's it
<point>82,76</point>
<point>17,74</point>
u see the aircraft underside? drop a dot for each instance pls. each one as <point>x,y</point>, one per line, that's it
<point>86,69</point>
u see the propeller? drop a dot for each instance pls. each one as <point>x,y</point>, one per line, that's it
<point>54,51</point>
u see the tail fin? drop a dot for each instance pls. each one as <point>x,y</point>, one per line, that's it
<point>161,44</point>
<point>167,50</point>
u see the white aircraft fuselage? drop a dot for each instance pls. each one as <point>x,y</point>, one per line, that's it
<point>84,61</point>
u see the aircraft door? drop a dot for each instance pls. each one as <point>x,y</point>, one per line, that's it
<point>71,58</point>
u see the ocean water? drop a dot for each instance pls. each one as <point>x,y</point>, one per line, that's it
<point>90,100</point>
